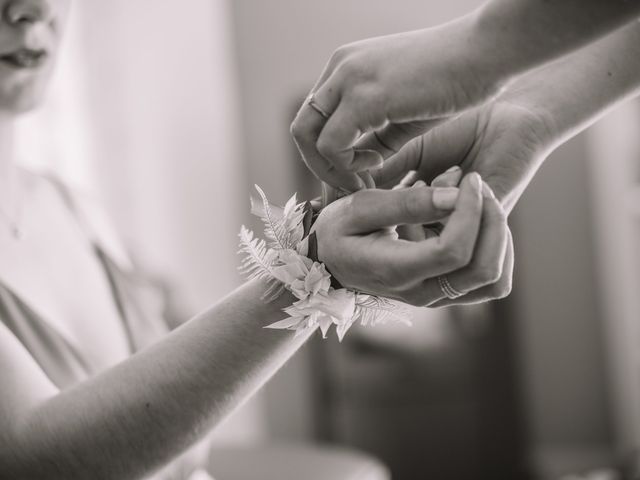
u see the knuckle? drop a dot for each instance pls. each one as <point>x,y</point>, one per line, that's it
<point>456,255</point>
<point>299,131</point>
<point>325,147</point>
<point>506,289</point>
<point>493,274</point>
<point>341,53</point>
<point>349,67</point>
<point>500,217</point>
<point>411,205</point>
<point>488,274</point>
<point>294,128</point>
<point>501,289</point>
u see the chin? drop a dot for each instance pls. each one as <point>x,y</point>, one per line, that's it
<point>22,100</point>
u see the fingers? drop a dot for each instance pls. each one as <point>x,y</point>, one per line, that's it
<point>329,133</point>
<point>454,248</point>
<point>372,210</point>
<point>450,178</point>
<point>487,277</point>
<point>411,231</point>
<point>433,152</point>
<point>390,139</point>
<point>474,249</point>
<point>396,167</point>
<point>339,135</point>
<point>488,258</point>
<point>305,130</point>
<point>409,180</point>
<point>500,289</point>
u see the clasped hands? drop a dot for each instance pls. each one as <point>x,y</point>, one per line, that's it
<point>380,111</point>
<point>391,242</point>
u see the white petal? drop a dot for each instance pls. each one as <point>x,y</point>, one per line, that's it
<point>286,323</point>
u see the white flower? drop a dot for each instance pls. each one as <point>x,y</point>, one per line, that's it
<point>302,275</point>
<point>338,304</point>
<point>292,267</point>
<point>317,280</point>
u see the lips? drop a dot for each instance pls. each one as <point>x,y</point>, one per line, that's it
<point>25,58</point>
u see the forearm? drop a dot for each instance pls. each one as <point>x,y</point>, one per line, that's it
<point>564,98</point>
<point>573,93</point>
<point>138,415</point>
<point>514,36</point>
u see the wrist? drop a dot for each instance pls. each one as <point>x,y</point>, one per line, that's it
<point>547,117</point>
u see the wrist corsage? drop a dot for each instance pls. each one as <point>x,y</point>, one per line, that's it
<point>283,261</point>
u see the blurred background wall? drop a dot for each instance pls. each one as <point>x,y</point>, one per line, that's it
<point>169,110</point>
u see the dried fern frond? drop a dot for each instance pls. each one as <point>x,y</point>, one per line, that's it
<point>275,227</point>
<point>258,262</point>
<point>371,310</point>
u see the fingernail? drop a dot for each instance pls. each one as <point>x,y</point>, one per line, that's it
<point>419,183</point>
<point>409,178</point>
<point>450,178</point>
<point>445,198</point>
<point>453,169</point>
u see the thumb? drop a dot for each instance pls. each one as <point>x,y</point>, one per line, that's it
<point>375,209</point>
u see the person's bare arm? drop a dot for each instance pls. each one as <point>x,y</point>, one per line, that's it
<point>396,87</point>
<point>574,92</point>
<point>517,35</point>
<point>508,139</point>
<point>136,416</point>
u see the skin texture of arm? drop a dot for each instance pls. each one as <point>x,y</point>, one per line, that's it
<point>573,93</point>
<point>520,34</point>
<point>570,95</point>
<point>131,419</point>
<point>507,140</point>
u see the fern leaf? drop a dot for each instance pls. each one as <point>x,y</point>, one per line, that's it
<point>275,229</point>
<point>372,311</point>
<point>257,261</point>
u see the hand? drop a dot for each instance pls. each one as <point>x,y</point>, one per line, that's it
<point>505,141</point>
<point>395,88</point>
<point>359,245</point>
<point>482,265</point>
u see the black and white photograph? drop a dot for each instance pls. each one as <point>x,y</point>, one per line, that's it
<point>319,240</point>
